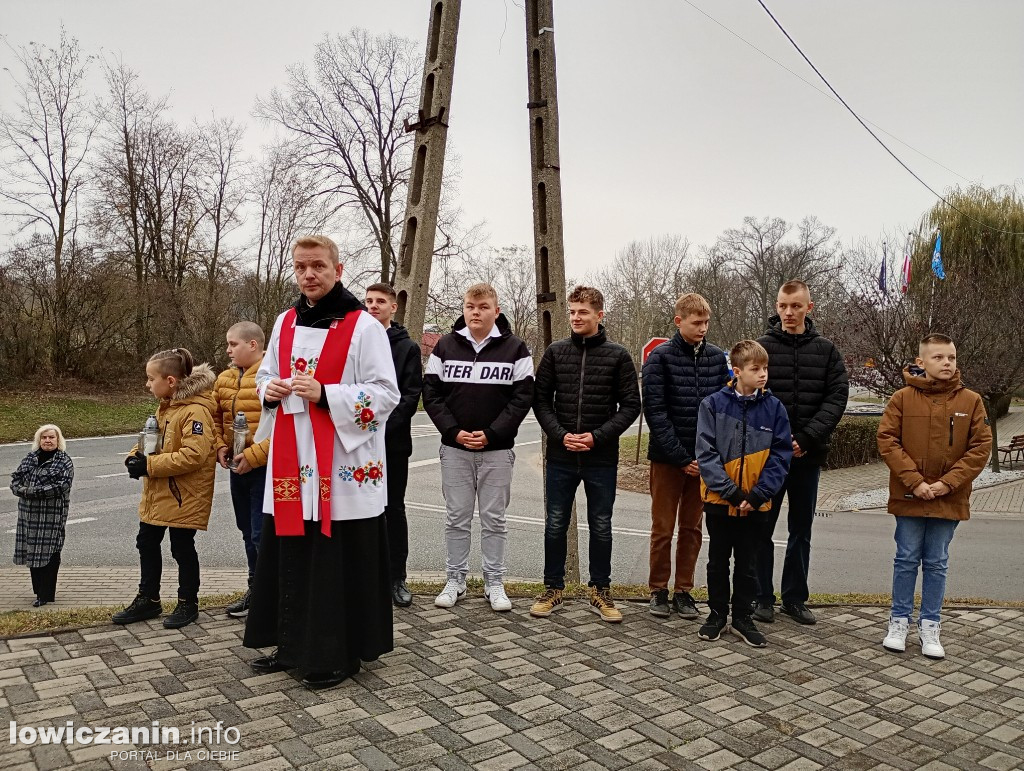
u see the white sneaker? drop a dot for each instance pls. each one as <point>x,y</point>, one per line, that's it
<point>496,594</point>
<point>896,639</point>
<point>928,631</point>
<point>451,593</point>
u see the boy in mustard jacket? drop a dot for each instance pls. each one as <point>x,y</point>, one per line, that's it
<point>234,392</point>
<point>935,438</point>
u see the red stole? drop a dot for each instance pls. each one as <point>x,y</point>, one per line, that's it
<point>287,483</point>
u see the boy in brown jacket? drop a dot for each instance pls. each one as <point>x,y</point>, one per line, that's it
<point>935,439</point>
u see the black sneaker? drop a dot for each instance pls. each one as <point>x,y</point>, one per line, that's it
<point>141,609</point>
<point>240,608</point>
<point>683,604</point>
<point>184,613</point>
<point>764,612</point>
<point>799,613</point>
<point>659,604</point>
<point>712,628</point>
<point>744,628</point>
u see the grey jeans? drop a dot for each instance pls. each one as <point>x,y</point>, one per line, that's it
<point>471,479</point>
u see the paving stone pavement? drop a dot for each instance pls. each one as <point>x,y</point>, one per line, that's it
<point>469,688</point>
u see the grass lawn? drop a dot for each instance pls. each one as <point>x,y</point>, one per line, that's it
<point>27,622</point>
<point>627,447</point>
<point>77,415</point>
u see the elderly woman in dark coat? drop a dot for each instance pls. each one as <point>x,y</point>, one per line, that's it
<point>43,485</point>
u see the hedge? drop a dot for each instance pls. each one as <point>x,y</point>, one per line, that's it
<point>853,443</point>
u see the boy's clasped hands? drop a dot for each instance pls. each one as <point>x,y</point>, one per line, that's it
<point>928,492</point>
<point>578,442</point>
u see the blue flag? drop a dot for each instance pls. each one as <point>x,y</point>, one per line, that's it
<point>937,268</point>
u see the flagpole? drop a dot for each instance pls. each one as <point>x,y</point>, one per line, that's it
<point>931,301</point>
<point>931,304</point>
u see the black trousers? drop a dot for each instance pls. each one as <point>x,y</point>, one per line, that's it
<point>44,579</point>
<point>398,524</point>
<point>734,537</point>
<point>183,549</point>
<point>802,490</point>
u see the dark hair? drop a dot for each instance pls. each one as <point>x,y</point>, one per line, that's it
<point>588,295</point>
<point>384,288</point>
<point>936,337</point>
<point>174,362</point>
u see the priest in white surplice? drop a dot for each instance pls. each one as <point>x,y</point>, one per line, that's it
<point>322,589</point>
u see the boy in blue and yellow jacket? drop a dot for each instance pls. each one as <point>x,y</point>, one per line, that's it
<point>744,447</point>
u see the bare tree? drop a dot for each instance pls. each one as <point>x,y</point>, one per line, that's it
<point>641,287</point>
<point>130,118</point>
<point>221,194</point>
<point>762,259</point>
<point>347,116</point>
<point>287,207</point>
<point>44,143</point>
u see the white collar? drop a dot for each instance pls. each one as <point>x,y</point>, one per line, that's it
<point>469,335</point>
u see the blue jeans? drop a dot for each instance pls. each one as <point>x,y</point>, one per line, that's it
<point>802,489</point>
<point>247,501</point>
<point>921,541</point>
<point>599,486</point>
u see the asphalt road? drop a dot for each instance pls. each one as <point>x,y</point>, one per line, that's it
<point>852,552</point>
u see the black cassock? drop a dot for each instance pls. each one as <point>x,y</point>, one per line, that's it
<point>322,601</point>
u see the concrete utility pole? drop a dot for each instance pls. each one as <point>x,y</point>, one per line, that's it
<point>416,254</point>
<point>549,253</point>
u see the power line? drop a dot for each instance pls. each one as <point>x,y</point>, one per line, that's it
<point>875,136</point>
<point>824,93</point>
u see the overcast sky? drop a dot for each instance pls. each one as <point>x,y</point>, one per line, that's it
<point>669,124</point>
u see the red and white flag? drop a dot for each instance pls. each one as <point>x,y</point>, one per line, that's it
<point>905,277</point>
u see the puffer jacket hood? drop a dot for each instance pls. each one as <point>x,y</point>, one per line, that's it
<point>504,328</point>
<point>915,377</point>
<point>178,488</point>
<point>933,431</point>
<point>234,392</point>
<point>397,333</point>
<point>775,329</point>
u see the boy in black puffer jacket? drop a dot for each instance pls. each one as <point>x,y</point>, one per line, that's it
<point>382,303</point>
<point>807,374</point>
<point>677,376</point>
<point>585,397</point>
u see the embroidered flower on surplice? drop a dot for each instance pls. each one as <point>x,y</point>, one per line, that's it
<point>370,473</point>
<point>305,473</point>
<point>306,367</point>
<point>364,416</point>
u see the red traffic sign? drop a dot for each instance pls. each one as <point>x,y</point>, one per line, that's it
<point>653,343</point>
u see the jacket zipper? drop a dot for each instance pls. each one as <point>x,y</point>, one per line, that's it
<point>951,432</point>
<point>234,403</point>
<point>696,373</point>
<point>579,402</point>
<point>743,447</point>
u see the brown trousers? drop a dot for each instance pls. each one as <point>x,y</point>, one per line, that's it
<point>675,497</point>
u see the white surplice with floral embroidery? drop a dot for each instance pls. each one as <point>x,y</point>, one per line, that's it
<point>360,405</point>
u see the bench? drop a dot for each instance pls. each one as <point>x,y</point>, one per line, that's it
<point>1012,452</point>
